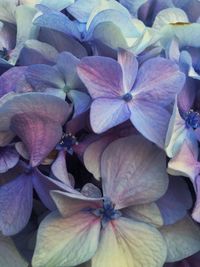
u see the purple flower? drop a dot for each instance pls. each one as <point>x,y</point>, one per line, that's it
<point>121,91</point>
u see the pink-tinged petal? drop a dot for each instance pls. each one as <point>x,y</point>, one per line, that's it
<point>15,204</point>
<point>182,239</point>
<point>148,213</point>
<point>150,120</point>
<point>102,76</point>
<point>129,243</point>
<point>92,155</point>
<point>185,161</point>
<point>8,158</point>
<point>123,179</point>
<point>129,65</point>
<point>158,80</point>
<point>73,202</point>
<point>176,133</point>
<point>59,168</point>
<point>42,76</point>
<point>9,255</point>
<point>176,202</point>
<point>66,241</point>
<point>106,113</point>
<point>40,135</point>
<point>14,80</point>
<point>196,210</point>
<point>91,191</point>
<point>44,105</point>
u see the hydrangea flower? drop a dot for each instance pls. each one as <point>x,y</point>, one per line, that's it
<point>121,91</point>
<point>99,228</point>
<point>60,80</point>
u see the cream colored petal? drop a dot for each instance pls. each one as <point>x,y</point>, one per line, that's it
<point>66,242</point>
<point>148,213</point>
<point>125,243</point>
<point>182,238</point>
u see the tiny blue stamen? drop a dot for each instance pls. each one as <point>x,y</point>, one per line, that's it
<point>127,97</point>
<point>192,119</point>
<point>107,212</point>
<point>67,142</point>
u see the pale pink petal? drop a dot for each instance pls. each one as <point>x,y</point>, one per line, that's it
<point>129,65</point>
<point>102,76</point>
<point>185,161</point>
<point>136,174</point>
<point>40,135</point>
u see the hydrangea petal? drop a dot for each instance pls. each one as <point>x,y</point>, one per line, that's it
<point>129,243</point>
<point>129,65</point>
<point>15,204</point>
<point>36,52</point>
<point>14,80</point>
<point>150,120</point>
<point>40,135</point>
<point>62,43</point>
<point>160,80</point>
<point>42,76</point>
<point>73,202</point>
<point>196,210</point>
<point>185,161</point>
<point>182,238</point>
<point>59,168</point>
<point>9,256</point>
<point>77,237</point>
<point>92,155</point>
<point>148,213</point>
<point>102,76</point>
<point>57,21</point>
<point>176,202</point>
<point>82,9</point>
<point>106,113</point>
<point>49,107</point>
<point>8,158</point>
<point>176,133</point>
<point>123,179</point>
<point>66,64</point>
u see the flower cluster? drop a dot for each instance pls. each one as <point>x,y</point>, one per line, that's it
<point>99,133</point>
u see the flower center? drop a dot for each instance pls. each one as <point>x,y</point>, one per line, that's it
<point>192,119</point>
<point>66,89</point>
<point>127,97</point>
<point>107,212</point>
<point>67,142</point>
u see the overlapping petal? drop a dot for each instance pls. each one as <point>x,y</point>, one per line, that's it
<point>123,179</point>
<point>81,237</point>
